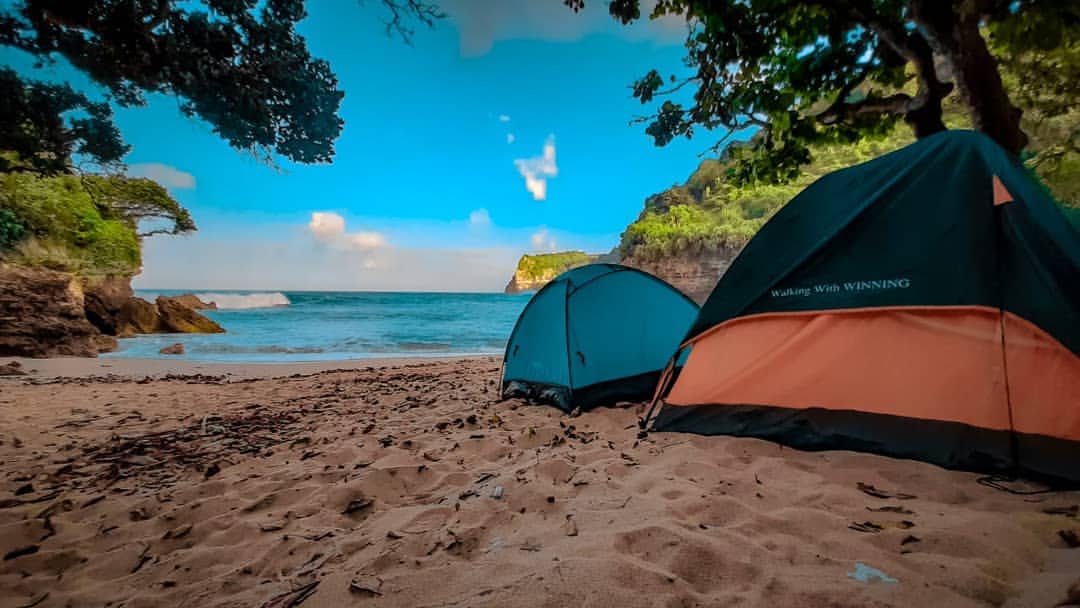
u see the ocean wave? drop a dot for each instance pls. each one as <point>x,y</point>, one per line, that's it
<point>239,301</point>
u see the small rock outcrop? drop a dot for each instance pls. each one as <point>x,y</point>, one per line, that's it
<point>137,316</point>
<point>193,302</point>
<point>42,315</point>
<point>13,368</point>
<point>173,349</point>
<point>176,317</point>
<point>103,303</point>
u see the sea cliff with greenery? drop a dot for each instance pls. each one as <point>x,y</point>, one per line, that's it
<point>69,246</point>
<point>536,270</point>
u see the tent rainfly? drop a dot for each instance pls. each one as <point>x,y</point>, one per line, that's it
<point>922,305</point>
<point>595,335</point>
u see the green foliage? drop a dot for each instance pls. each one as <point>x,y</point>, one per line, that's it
<point>11,229</point>
<point>241,67</point>
<point>68,224</point>
<point>713,210</point>
<point>544,266</point>
<point>1040,64</point>
<point>808,75</point>
<point>43,124</point>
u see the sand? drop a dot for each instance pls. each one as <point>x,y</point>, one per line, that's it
<point>392,485</point>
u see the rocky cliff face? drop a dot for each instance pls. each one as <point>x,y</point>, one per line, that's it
<point>520,282</point>
<point>693,274</point>
<point>42,314</point>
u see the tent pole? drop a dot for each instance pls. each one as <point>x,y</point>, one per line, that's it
<point>661,388</point>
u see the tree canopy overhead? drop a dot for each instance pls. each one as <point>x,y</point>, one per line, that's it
<point>807,73</point>
<point>240,65</point>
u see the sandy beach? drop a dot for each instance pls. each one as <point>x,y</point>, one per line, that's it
<point>408,483</point>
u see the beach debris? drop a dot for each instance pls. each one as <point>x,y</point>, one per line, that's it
<point>293,598</point>
<point>392,535</point>
<point>143,558</point>
<point>179,532</point>
<point>876,493</point>
<point>569,527</point>
<point>531,545</point>
<point>866,574</point>
<point>262,503</point>
<point>35,602</point>
<point>211,470</point>
<point>20,552</point>
<point>1071,538</point>
<point>1070,511</point>
<point>1072,596</point>
<point>358,504</point>
<point>365,588</point>
<point>874,527</point>
<point>497,492</point>
<point>866,526</point>
<point>272,526</point>
<point>891,509</point>
<point>92,501</point>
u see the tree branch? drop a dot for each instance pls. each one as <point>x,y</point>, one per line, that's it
<point>403,10</point>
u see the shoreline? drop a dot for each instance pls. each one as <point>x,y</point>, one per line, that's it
<point>124,367</point>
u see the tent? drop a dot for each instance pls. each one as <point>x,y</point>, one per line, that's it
<point>594,335</point>
<point>922,305</point>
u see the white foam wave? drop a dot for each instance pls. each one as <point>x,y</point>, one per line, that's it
<point>236,301</point>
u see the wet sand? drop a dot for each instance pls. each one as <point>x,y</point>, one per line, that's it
<point>388,484</point>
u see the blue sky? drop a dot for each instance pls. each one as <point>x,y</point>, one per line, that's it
<point>503,131</point>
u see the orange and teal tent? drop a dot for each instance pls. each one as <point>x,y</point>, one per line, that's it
<point>923,305</point>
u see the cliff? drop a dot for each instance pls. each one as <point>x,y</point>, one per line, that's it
<point>536,270</point>
<point>69,246</point>
<point>42,314</point>
<point>693,274</point>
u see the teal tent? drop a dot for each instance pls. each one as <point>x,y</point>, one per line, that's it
<point>595,335</point>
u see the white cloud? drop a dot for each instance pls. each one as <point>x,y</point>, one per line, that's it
<point>480,218</point>
<point>366,240</point>
<point>504,118</point>
<point>199,262</point>
<point>482,23</point>
<point>326,226</point>
<point>329,227</point>
<point>542,240</point>
<point>538,169</point>
<point>166,175</point>
<point>509,138</point>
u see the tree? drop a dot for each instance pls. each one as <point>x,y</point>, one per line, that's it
<point>806,73</point>
<point>240,65</point>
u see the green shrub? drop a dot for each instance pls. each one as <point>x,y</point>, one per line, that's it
<point>65,229</point>
<point>11,229</point>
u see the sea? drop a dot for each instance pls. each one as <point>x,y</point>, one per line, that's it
<point>274,326</point>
